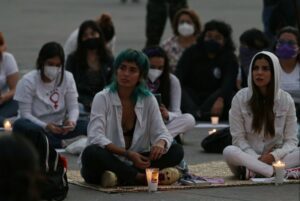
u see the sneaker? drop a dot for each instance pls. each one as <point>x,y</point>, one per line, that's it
<point>109,179</point>
<point>169,176</point>
<point>293,173</point>
<point>245,173</point>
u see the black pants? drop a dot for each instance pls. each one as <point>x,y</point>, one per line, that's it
<point>96,160</point>
<point>157,14</point>
<point>197,103</point>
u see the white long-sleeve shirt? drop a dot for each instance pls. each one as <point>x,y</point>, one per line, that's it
<point>105,123</point>
<point>44,103</point>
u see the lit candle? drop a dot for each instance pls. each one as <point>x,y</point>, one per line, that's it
<point>152,178</point>
<point>279,172</point>
<point>212,131</point>
<point>214,120</point>
<point>7,125</point>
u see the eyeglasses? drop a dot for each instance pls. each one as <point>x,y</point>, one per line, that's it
<point>289,42</point>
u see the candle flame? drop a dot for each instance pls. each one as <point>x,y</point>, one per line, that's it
<point>7,125</point>
<point>212,131</point>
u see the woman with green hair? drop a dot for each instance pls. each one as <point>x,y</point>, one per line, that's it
<point>126,133</point>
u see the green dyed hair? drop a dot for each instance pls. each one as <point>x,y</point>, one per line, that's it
<point>141,60</point>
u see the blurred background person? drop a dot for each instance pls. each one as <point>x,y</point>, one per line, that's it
<point>186,29</point>
<point>9,76</point>
<point>207,72</point>
<point>156,18</point>
<point>104,21</point>
<point>287,50</point>
<point>251,41</point>
<point>90,64</point>
<point>161,81</point>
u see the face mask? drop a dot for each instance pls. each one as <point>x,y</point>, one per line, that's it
<point>286,51</point>
<point>211,46</point>
<point>186,29</point>
<point>52,72</point>
<point>91,43</point>
<point>153,74</point>
<point>246,55</point>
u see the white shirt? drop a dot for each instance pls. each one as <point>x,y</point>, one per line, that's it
<point>291,81</point>
<point>175,98</point>
<point>43,103</point>
<point>8,66</point>
<point>105,123</point>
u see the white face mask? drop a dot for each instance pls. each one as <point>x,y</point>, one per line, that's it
<point>186,29</point>
<point>153,74</point>
<point>52,72</point>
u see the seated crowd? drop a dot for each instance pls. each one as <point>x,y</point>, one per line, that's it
<point>131,108</point>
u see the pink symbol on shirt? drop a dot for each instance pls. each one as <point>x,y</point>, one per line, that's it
<point>54,97</point>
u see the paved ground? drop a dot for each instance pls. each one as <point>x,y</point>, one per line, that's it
<point>27,25</point>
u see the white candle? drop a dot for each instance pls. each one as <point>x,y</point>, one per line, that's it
<point>214,120</point>
<point>152,178</point>
<point>279,172</point>
<point>7,125</point>
<point>212,131</point>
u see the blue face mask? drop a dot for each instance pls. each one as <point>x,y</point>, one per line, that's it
<point>246,55</point>
<point>286,51</point>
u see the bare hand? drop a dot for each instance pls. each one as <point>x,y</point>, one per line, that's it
<point>164,112</point>
<point>53,128</point>
<point>157,150</point>
<point>139,161</point>
<point>217,107</point>
<point>68,126</point>
<point>267,158</point>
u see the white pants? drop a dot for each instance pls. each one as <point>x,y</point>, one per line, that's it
<point>235,157</point>
<point>181,124</point>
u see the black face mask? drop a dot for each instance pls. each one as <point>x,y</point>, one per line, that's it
<point>211,46</point>
<point>91,43</point>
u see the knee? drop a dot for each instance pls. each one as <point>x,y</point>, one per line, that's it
<point>229,151</point>
<point>190,120</point>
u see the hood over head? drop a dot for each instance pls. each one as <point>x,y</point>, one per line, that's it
<point>277,67</point>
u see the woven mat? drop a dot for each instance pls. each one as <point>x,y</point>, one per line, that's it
<point>216,169</point>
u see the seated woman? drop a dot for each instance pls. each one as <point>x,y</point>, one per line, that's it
<point>207,72</point>
<point>90,64</point>
<point>9,77</point>
<point>47,99</point>
<point>263,123</point>
<point>126,133</point>
<point>287,50</point>
<point>161,81</point>
<point>187,28</point>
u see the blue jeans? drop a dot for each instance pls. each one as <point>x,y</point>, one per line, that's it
<point>8,109</point>
<point>55,140</point>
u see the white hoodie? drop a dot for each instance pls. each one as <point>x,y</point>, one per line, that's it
<point>240,120</point>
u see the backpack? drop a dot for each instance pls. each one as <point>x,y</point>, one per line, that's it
<point>216,142</point>
<point>54,184</point>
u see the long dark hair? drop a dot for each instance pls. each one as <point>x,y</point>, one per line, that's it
<point>48,51</point>
<point>223,28</point>
<point>81,52</point>
<point>262,105</point>
<point>164,86</point>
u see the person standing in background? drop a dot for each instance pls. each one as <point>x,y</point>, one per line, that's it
<point>156,18</point>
